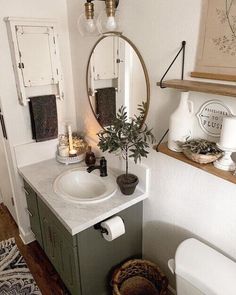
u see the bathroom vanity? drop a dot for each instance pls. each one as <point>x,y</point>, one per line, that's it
<point>67,233</point>
<point>67,230</point>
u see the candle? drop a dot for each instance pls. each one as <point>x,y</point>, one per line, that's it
<point>72,153</point>
<point>63,151</point>
<point>228,133</point>
<point>70,138</point>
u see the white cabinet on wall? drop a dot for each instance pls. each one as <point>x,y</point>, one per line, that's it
<point>35,55</point>
<point>36,48</point>
<point>105,57</point>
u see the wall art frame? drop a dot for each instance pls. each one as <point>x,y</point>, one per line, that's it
<point>216,53</point>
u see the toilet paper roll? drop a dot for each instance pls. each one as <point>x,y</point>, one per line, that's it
<point>115,228</point>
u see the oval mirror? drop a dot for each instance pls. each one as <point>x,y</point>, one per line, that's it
<point>116,76</point>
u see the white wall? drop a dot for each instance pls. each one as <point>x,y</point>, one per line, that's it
<point>16,116</point>
<point>183,201</point>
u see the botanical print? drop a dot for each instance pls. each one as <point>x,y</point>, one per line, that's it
<point>227,42</point>
<point>217,40</point>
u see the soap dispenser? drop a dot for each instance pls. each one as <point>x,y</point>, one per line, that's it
<point>90,158</point>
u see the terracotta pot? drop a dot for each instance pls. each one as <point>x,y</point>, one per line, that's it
<point>127,183</point>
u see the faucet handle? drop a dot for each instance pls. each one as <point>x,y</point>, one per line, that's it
<point>103,160</point>
<point>103,167</point>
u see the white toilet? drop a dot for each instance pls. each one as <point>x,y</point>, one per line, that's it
<point>202,270</point>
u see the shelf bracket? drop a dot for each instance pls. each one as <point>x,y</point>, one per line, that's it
<point>182,49</point>
<point>160,141</point>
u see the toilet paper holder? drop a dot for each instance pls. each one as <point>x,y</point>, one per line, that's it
<point>111,228</point>
<point>102,229</point>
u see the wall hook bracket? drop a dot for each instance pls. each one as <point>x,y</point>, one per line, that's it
<point>182,49</point>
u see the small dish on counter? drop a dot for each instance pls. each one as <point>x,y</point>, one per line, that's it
<point>70,160</point>
<point>71,150</point>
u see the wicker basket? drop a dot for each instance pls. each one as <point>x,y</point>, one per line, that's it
<point>200,158</point>
<point>139,277</point>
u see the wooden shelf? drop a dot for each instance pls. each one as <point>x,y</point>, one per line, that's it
<point>206,167</point>
<point>213,88</point>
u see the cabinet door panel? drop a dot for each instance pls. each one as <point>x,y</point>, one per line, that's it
<point>60,249</point>
<point>70,268</point>
<point>54,221</point>
<point>58,242</point>
<point>36,47</point>
<point>104,59</point>
<point>47,237</point>
<point>98,257</point>
<point>32,203</point>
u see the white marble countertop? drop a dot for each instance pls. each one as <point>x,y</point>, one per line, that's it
<point>75,217</point>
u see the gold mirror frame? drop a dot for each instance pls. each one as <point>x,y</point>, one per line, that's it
<point>142,63</point>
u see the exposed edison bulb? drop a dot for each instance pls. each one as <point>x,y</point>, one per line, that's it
<point>87,26</point>
<point>111,23</point>
<point>87,21</point>
<point>108,23</point>
<point>90,25</point>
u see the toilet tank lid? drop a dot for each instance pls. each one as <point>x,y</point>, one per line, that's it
<point>205,268</point>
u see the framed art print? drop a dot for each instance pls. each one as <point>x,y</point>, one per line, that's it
<point>216,55</point>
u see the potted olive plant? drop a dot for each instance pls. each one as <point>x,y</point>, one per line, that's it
<point>128,137</point>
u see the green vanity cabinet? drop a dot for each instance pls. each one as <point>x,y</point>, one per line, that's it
<point>60,247</point>
<point>98,257</point>
<point>84,261</point>
<point>32,202</point>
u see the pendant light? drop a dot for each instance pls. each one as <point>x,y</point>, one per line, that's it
<point>107,21</point>
<point>108,18</point>
<point>87,20</point>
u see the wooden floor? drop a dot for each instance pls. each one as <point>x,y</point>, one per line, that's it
<point>42,270</point>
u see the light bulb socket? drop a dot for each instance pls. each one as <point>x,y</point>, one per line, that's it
<point>110,8</point>
<point>89,10</point>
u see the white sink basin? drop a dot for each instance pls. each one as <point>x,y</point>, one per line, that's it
<point>77,185</point>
